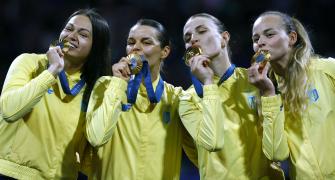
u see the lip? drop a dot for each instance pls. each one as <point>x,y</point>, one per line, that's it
<point>264,50</point>
<point>73,45</point>
<point>136,52</point>
<point>196,45</point>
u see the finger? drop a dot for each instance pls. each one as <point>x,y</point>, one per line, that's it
<point>124,72</point>
<point>126,62</point>
<point>59,51</point>
<point>192,64</point>
<point>202,60</point>
<point>206,62</point>
<point>266,69</point>
<point>254,68</point>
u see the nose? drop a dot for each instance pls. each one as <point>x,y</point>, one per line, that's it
<point>261,42</point>
<point>72,36</point>
<point>136,47</point>
<point>194,40</point>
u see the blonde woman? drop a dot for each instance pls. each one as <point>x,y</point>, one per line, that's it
<point>307,97</point>
<point>230,147</point>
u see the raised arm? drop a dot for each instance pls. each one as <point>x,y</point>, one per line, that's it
<point>203,118</point>
<point>26,82</point>
<point>104,109</point>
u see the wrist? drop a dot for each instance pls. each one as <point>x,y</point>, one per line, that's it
<point>268,93</point>
<point>54,70</point>
<point>208,81</point>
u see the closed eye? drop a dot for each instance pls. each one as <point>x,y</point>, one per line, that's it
<point>255,39</point>
<point>130,42</point>
<point>147,42</point>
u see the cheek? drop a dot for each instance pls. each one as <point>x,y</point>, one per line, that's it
<point>62,35</point>
<point>128,49</point>
<point>152,53</point>
<point>213,45</point>
<point>87,48</point>
<point>279,43</point>
<point>255,47</point>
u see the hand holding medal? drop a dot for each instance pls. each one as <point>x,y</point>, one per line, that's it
<point>191,52</point>
<point>261,57</point>
<point>136,63</point>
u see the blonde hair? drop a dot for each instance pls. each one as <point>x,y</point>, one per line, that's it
<point>294,84</point>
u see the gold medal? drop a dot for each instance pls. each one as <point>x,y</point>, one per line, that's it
<point>136,63</point>
<point>261,57</point>
<point>64,45</point>
<point>191,52</point>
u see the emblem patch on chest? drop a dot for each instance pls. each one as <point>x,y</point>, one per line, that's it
<point>313,95</point>
<point>252,102</point>
<point>50,91</point>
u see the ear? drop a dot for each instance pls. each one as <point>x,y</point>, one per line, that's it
<point>165,52</point>
<point>225,38</point>
<point>293,37</point>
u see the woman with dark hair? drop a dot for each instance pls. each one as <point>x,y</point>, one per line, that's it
<point>132,120</point>
<point>44,99</point>
<point>304,130</point>
<point>224,120</point>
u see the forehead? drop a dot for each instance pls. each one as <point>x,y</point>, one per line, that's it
<point>268,22</point>
<point>193,23</point>
<point>81,21</point>
<point>139,31</point>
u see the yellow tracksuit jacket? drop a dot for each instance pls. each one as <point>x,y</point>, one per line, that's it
<point>230,145</point>
<point>308,141</point>
<point>42,128</point>
<point>143,143</point>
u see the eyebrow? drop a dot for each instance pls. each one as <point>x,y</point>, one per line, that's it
<point>200,26</point>
<point>265,31</point>
<point>142,39</point>
<point>80,28</point>
<point>196,28</point>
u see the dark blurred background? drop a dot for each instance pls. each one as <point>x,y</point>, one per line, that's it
<point>28,26</point>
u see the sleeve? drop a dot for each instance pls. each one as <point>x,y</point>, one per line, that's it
<point>275,146</point>
<point>21,91</point>
<point>203,118</point>
<point>104,109</point>
<point>189,147</point>
<point>328,66</point>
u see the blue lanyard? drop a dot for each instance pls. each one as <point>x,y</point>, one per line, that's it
<point>134,84</point>
<point>227,74</point>
<point>65,84</point>
<point>198,85</point>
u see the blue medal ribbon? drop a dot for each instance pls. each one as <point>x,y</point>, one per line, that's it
<point>134,84</point>
<point>65,84</point>
<point>198,85</point>
<point>227,74</point>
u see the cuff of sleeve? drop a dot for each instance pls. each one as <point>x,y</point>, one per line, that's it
<point>272,103</point>
<point>211,91</point>
<point>46,79</point>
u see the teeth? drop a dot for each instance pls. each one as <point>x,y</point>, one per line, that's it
<point>72,46</point>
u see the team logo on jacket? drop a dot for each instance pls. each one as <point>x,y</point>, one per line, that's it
<point>252,102</point>
<point>50,91</point>
<point>313,95</point>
